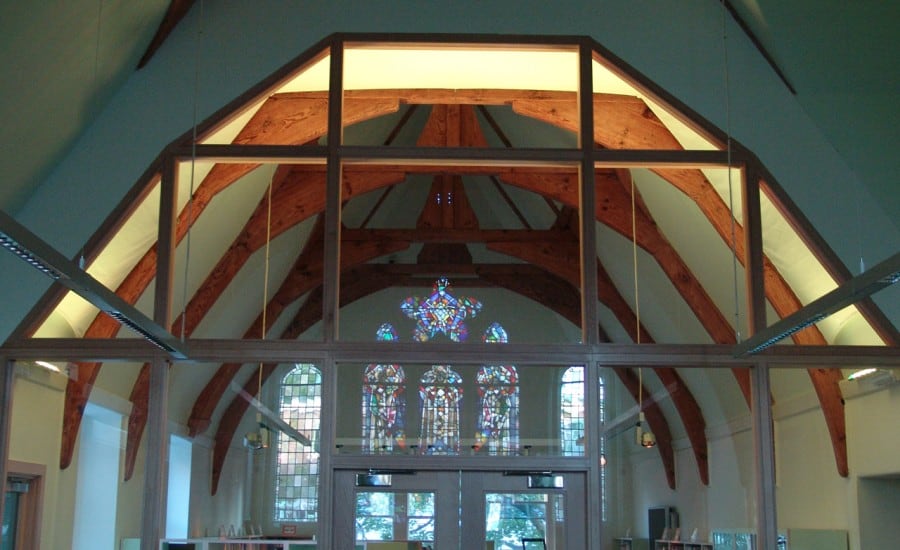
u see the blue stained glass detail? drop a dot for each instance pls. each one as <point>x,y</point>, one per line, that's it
<point>440,397</point>
<point>384,408</point>
<point>440,313</point>
<point>498,413</point>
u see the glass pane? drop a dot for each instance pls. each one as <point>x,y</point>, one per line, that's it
<point>246,254</point>
<point>460,410</point>
<point>10,520</point>
<point>301,97</point>
<point>259,472</point>
<point>680,276</point>
<point>402,516</point>
<point>822,445</point>
<point>125,265</point>
<point>803,278</point>
<point>443,257</point>
<point>626,116</point>
<point>534,520</point>
<point>417,95</point>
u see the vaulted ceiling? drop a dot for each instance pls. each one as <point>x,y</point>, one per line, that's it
<point>398,224</point>
<point>63,62</point>
<point>510,225</point>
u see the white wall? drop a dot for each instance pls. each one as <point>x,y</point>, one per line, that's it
<point>100,441</point>
<point>35,438</point>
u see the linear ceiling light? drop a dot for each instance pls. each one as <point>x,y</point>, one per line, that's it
<point>35,252</point>
<point>858,288</point>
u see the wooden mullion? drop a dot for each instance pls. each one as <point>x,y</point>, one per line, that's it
<point>332,264</point>
<point>753,244</point>
<point>156,471</point>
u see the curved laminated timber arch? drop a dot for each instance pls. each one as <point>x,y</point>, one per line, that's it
<point>547,260</point>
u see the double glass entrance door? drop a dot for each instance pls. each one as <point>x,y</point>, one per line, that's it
<point>454,510</point>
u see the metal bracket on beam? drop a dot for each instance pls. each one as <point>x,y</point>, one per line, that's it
<point>858,288</point>
<point>34,251</point>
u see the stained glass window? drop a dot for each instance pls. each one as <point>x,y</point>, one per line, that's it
<point>498,400</point>
<point>571,412</point>
<point>440,313</point>
<point>440,396</point>
<point>383,402</point>
<point>297,470</point>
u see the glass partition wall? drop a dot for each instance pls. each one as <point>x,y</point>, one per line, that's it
<point>459,295</point>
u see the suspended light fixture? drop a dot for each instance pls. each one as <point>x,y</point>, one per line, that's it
<point>641,437</point>
<point>258,439</point>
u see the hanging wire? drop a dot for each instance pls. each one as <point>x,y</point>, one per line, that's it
<point>92,167</point>
<point>190,205</point>
<point>734,258</point>
<point>637,298</point>
<point>265,300</point>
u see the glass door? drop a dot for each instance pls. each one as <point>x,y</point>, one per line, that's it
<point>518,510</point>
<point>410,509</point>
<point>441,510</point>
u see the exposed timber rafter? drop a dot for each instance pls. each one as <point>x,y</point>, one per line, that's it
<point>634,122</point>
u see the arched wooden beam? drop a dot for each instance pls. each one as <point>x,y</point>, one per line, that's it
<point>310,183</point>
<point>370,278</point>
<point>297,118</point>
<point>304,276</point>
<point>614,209</point>
<point>653,135</point>
<point>260,130</point>
<point>556,259</point>
<point>635,117</point>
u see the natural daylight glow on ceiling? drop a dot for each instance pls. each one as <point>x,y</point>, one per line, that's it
<point>465,67</point>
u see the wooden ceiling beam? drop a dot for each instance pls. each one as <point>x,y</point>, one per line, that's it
<point>623,122</point>
<point>649,133</point>
<point>220,176</point>
<point>368,279</point>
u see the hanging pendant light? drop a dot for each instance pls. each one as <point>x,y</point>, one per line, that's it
<point>644,438</point>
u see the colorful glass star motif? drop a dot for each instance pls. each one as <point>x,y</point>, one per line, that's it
<point>440,313</point>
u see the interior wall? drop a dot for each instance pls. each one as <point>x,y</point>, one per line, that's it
<point>879,501</point>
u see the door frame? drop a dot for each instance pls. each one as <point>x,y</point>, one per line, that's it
<point>460,501</point>
<point>28,525</point>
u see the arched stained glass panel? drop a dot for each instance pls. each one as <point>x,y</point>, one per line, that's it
<point>498,412</point>
<point>384,408</point>
<point>498,400</point>
<point>571,412</point>
<point>383,402</point>
<point>440,396</point>
<point>297,470</point>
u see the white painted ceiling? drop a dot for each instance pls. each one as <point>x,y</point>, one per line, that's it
<point>62,61</point>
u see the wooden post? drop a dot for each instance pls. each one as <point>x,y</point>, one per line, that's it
<point>590,323</point>
<point>760,388</point>
<point>331,293</point>
<point>153,518</point>
<point>763,443</point>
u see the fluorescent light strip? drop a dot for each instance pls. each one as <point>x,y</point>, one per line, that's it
<point>48,366</point>
<point>862,373</point>
<point>858,288</point>
<point>19,240</point>
<point>8,243</point>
